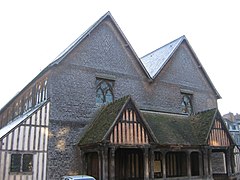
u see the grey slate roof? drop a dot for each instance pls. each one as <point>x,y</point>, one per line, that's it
<point>155,60</point>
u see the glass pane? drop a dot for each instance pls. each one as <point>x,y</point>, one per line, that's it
<point>109,97</point>
<point>27,163</point>
<point>15,163</point>
<point>186,104</point>
<point>99,97</point>
<point>104,85</point>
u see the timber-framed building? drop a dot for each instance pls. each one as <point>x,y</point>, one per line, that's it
<point>99,109</point>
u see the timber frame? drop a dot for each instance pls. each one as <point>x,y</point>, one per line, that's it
<point>130,142</point>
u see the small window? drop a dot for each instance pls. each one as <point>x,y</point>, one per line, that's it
<point>104,91</point>
<point>187,104</point>
<point>21,163</point>
<point>15,163</point>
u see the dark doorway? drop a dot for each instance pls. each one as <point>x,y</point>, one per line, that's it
<point>92,164</point>
<point>176,164</point>
<point>195,164</point>
<point>129,164</point>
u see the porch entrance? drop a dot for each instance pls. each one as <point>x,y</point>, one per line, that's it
<point>129,164</point>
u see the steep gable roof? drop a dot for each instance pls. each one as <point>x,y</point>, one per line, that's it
<point>63,54</point>
<point>155,61</point>
<point>103,124</point>
<point>202,124</point>
<point>74,44</point>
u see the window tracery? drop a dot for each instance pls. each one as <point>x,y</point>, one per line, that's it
<point>187,104</point>
<point>104,91</point>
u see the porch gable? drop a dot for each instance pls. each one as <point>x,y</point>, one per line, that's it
<point>219,135</point>
<point>118,123</point>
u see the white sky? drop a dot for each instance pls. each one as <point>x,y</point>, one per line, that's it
<point>33,33</point>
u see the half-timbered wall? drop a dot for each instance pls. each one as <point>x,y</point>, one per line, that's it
<point>129,130</point>
<point>29,137</point>
<point>236,154</point>
<point>218,135</point>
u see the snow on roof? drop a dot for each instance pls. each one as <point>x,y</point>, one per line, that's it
<point>6,129</point>
<point>155,60</point>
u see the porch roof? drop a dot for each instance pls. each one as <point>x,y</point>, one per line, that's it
<point>172,129</point>
<point>104,119</point>
<point>168,129</point>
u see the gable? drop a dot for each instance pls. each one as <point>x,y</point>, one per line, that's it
<point>129,128</point>
<point>219,135</point>
<point>177,63</point>
<point>118,123</point>
<point>184,69</point>
<point>103,47</point>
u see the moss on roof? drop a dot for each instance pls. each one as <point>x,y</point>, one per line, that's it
<point>103,121</point>
<point>180,130</point>
<point>169,129</point>
<point>201,124</point>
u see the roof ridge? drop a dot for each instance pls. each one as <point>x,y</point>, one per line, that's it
<point>207,110</point>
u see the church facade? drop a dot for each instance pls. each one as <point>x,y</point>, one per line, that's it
<point>99,109</point>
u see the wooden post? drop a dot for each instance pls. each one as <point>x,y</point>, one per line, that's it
<point>200,157</point>
<point>189,164</point>
<point>209,151</point>
<point>228,162</point>
<point>205,162</point>
<point>105,163</point>
<point>112,164</point>
<point>164,164</point>
<point>152,164</point>
<point>146,169</point>
<point>100,159</point>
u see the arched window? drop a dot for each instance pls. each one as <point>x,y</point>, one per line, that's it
<point>104,91</point>
<point>187,104</point>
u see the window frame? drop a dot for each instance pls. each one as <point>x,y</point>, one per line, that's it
<point>21,166</point>
<point>187,107</point>
<point>103,88</point>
